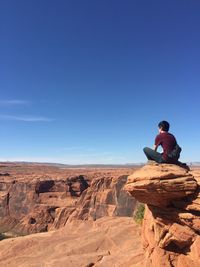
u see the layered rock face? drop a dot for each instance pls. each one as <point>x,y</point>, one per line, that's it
<point>104,197</point>
<point>38,203</point>
<point>30,207</point>
<point>171,226</point>
<point>90,208</point>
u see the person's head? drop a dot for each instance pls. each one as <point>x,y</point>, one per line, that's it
<point>163,126</point>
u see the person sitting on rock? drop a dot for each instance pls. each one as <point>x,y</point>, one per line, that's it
<point>171,150</point>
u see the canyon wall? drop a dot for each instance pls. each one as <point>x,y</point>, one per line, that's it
<point>45,204</point>
<point>89,214</point>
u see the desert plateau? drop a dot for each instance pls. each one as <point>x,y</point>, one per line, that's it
<point>58,216</point>
<point>67,217</point>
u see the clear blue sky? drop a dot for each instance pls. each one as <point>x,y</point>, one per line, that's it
<point>88,81</point>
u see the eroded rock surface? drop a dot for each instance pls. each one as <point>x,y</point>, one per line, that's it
<point>80,207</point>
<point>29,207</point>
<point>38,198</point>
<point>104,197</point>
<point>160,184</point>
<point>171,226</point>
<point>108,241</point>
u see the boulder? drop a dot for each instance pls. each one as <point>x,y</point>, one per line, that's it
<point>160,184</point>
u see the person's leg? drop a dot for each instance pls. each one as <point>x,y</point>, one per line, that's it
<point>153,155</point>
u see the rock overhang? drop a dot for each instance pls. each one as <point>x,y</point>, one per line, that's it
<point>160,184</point>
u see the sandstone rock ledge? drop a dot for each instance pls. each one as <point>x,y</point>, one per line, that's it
<point>171,226</point>
<point>159,184</point>
<point>109,241</point>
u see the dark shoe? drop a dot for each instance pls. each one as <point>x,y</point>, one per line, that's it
<point>184,165</point>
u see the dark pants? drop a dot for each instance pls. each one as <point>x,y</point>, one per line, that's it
<point>153,155</point>
<point>156,156</point>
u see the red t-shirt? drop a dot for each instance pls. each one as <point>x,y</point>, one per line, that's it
<point>167,141</point>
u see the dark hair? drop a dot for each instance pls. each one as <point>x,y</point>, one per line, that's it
<point>164,125</point>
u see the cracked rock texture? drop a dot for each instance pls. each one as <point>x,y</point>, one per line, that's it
<point>36,198</point>
<point>108,241</point>
<point>88,212</point>
<point>171,225</point>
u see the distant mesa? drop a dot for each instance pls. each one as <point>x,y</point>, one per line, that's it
<point>63,165</point>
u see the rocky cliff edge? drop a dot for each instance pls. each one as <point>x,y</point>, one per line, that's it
<point>171,226</point>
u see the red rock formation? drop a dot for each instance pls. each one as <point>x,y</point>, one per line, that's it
<point>159,185</point>
<point>171,226</point>
<point>29,207</point>
<point>36,198</point>
<point>105,197</point>
<point>42,201</point>
<point>108,241</point>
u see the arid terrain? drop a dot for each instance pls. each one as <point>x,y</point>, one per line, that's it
<point>84,217</point>
<point>69,216</point>
<point>33,171</point>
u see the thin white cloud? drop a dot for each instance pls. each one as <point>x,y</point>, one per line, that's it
<point>13,102</point>
<point>72,148</point>
<point>75,149</point>
<point>95,154</point>
<point>25,118</point>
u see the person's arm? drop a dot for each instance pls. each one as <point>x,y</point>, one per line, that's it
<point>156,143</point>
<point>155,147</point>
